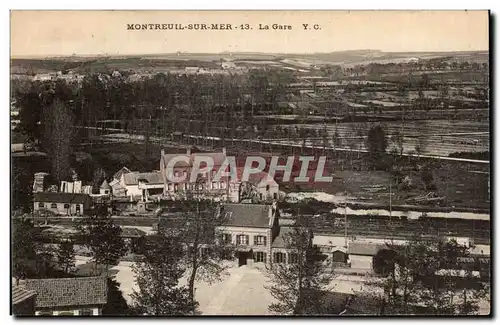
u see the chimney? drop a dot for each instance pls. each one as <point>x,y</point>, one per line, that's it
<point>39,182</point>
<point>62,189</point>
<point>224,151</point>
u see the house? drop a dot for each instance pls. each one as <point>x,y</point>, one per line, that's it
<point>260,185</point>
<point>134,238</point>
<point>140,186</point>
<point>280,252</point>
<point>252,228</point>
<point>71,187</point>
<point>117,189</point>
<point>361,254</point>
<point>23,301</point>
<point>334,247</point>
<point>203,182</point>
<point>105,189</point>
<point>62,203</point>
<point>85,296</point>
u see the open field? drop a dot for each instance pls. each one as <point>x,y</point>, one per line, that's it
<point>436,137</point>
<point>461,187</point>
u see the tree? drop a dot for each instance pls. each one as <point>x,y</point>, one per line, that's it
<point>398,141</point>
<point>23,248</point>
<point>157,275</point>
<point>429,276</point>
<point>29,113</point>
<point>421,145</point>
<point>376,143</point>
<point>427,179</point>
<point>65,256</point>
<point>102,236</point>
<point>57,133</point>
<point>352,142</point>
<point>116,305</point>
<point>201,232</point>
<point>30,257</point>
<point>299,285</point>
<point>98,177</point>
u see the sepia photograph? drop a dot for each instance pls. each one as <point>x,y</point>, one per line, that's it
<point>250,163</point>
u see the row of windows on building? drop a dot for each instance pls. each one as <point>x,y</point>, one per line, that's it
<point>201,186</point>
<point>278,257</point>
<point>258,240</point>
<point>54,206</point>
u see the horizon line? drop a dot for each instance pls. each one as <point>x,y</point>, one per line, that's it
<point>47,56</point>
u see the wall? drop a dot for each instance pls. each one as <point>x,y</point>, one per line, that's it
<point>251,232</point>
<point>96,311</point>
<point>215,189</point>
<point>361,262</point>
<point>60,208</point>
<point>133,190</point>
<point>272,193</point>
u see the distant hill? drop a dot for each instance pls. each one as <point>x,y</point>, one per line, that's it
<point>346,58</point>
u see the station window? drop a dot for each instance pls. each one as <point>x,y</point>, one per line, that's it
<point>260,240</point>
<point>260,257</point>
<point>279,257</point>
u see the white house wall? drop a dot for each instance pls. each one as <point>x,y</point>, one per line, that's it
<point>60,208</point>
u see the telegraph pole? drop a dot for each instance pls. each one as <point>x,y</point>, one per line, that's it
<point>390,203</point>
<point>345,219</point>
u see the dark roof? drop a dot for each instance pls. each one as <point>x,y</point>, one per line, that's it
<point>61,197</point>
<point>247,215</point>
<point>368,249</point>
<point>19,294</point>
<point>149,178</point>
<point>69,291</point>
<point>105,185</point>
<point>279,241</point>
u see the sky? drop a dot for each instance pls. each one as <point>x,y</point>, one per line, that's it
<point>63,33</point>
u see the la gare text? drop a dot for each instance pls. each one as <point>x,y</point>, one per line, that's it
<point>169,26</point>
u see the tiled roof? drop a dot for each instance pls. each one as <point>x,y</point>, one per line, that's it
<point>149,178</point>
<point>247,215</point>
<point>20,294</point>
<point>69,291</point>
<point>57,197</point>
